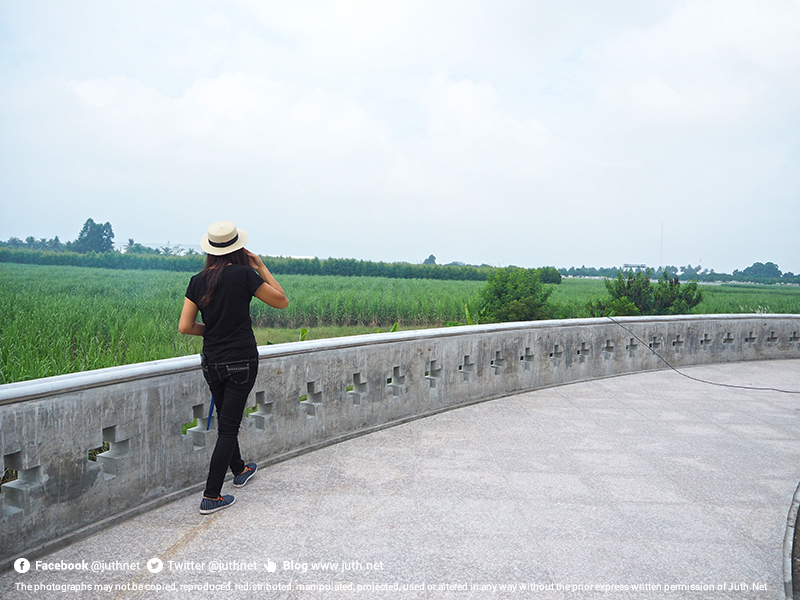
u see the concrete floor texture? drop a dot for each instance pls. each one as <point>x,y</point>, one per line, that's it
<point>640,486</point>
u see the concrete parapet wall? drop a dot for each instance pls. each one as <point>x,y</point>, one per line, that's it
<point>307,395</point>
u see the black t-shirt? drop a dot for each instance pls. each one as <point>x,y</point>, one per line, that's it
<point>229,332</point>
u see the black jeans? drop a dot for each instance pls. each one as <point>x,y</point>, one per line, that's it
<point>230,384</point>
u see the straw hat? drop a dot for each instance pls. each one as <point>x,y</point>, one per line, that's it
<point>223,238</point>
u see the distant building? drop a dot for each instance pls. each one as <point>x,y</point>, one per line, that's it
<point>632,267</point>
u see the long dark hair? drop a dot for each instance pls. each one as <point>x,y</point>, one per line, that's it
<point>215,265</point>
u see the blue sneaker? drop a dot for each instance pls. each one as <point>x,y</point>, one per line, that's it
<point>211,506</point>
<point>242,478</point>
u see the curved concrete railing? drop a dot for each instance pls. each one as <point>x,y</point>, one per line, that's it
<point>307,395</point>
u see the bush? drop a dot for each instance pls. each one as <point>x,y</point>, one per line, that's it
<point>514,294</point>
<point>634,294</point>
<point>672,298</point>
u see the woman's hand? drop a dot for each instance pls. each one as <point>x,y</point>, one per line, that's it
<point>255,259</point>
<point>270,292</point>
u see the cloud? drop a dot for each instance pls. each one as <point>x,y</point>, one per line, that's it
<point>472,147</point>
<point>482,131</point>
<point>241,119</point>
<point>711,62</point>
<point>246,121</point>
<point>656,100</point>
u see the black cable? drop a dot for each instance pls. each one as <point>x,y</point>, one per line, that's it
<point>728,385</point>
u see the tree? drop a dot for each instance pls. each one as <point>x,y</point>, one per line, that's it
<point>760,271</point>
<point>629,293</point>
<point>668,269</point>
<point>672,298</point>
<point>514,294</point>
<point>55,245</point>
<point>690,272</point>
<point>169,250</point>
<point>549,275</point>
<point>133,247</point>
<point>94,238</point>
<point>634,294</point>
<point>31,243</point>
<point>431,260</point>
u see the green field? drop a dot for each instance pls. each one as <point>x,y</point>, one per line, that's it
<point>573,294</point>
<point>65,319</point>
<point>320,300</point>
<point>750,298</point>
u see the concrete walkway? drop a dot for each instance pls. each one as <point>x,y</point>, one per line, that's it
<point>642,480</point>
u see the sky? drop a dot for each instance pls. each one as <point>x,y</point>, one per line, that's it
<point>483,131</point>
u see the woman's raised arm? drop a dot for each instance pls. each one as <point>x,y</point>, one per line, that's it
<point>270,292</point>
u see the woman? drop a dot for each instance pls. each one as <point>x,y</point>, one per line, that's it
<point>221,292</point>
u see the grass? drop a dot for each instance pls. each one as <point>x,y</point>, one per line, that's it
<point>276,335</point>
<point>66,319</point>
<point>95,451</point>
<point>750,298</point>
<point>320,301</point>
<point>572,295</point>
